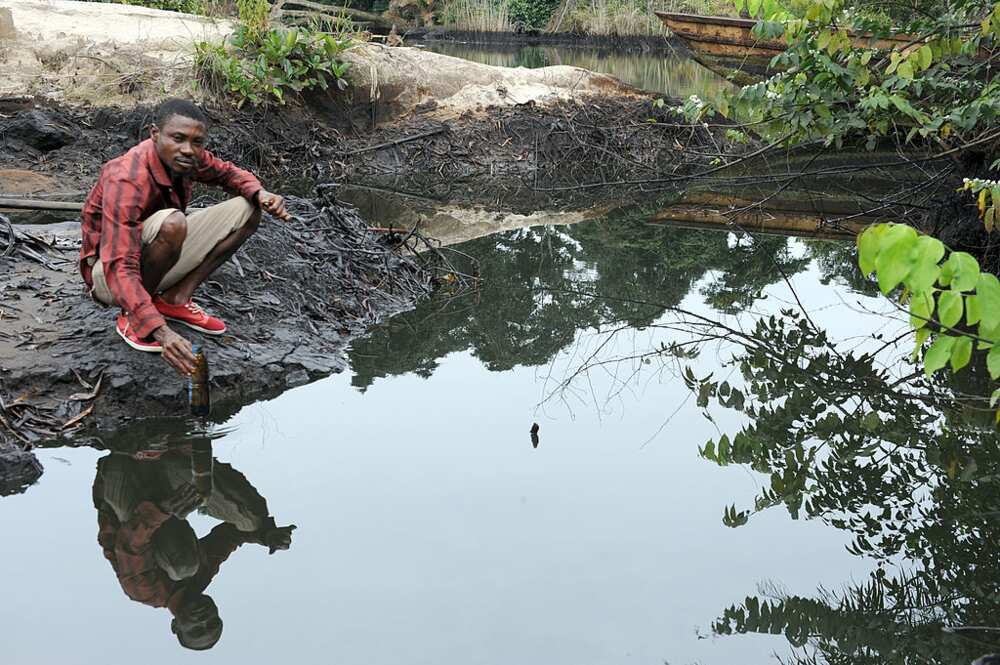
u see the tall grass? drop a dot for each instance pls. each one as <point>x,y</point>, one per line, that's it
<point>587,17</point>
<point>629,17</point>
<point>477,15</point>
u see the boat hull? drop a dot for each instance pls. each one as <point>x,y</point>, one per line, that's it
<point>727,45</point>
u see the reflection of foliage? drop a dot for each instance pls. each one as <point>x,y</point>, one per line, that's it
<point>750,268</point>
<point>905,465</point>
<point>837,261</point>
<point>530,306</point>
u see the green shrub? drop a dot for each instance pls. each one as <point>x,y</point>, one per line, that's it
<point>531,14</point>
<point>253,18</point>
<point>186,6</point>
<point>261,67</point>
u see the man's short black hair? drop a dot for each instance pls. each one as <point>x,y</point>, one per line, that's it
<point>182,107</point>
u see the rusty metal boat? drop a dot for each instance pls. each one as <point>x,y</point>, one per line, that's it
<point>727,45</point>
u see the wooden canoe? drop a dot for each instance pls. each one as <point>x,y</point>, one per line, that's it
<point>727,45</point>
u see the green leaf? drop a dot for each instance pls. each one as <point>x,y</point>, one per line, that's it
<point>964,271</point>
<point>921,309</point>
<point>938,355</point>
<point>895,258</point>
<point>971,310</point>
<point>993,361</point>
<point>922,336</point>
<point>905,71</point>
<point>925,56</point>
<point>961,352</point>
<point>871,421</point>
<point>988,295</point>
<point>925,272</point>
<point>994,397</point>
<point>869,243</point>
<point>949,308</point>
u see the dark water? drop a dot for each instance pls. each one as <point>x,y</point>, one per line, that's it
<point>429,528</point>
<point>667,72</point>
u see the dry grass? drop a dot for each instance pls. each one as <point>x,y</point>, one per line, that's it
<point>478,15</point>
<point>587,17</point>
<point>631,17</point>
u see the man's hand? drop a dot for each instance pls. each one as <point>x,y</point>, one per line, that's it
<point>176,350</point>
<point>272,203</point>
<point>278,538</point>
<point>184,500</point>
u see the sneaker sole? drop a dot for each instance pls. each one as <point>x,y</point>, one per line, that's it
<point>195,327</point>
<point>135,346</point>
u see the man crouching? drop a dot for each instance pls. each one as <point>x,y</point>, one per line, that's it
<point>142,252</point>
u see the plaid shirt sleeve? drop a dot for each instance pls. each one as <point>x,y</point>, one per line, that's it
<point>228,176</point>
<point>121,249</point>
<point>135,562</point>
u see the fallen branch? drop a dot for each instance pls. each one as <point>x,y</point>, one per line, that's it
<point>406,139</point>
<point>37,204</point>
<point>331,11</point>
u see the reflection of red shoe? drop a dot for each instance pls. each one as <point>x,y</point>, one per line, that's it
<point>124,329</point>
<point>190,315</point>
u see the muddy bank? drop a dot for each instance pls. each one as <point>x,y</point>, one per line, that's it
<point>525,156</point>
<point>296,294</point>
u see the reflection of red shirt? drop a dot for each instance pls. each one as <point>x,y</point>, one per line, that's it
<point>130,189</point>
<point>129,548</point>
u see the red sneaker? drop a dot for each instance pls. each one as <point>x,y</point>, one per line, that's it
<point>124,330</point>
<point>190,315</point>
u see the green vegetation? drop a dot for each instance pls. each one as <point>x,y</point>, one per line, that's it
<point>941,294</point>
<point>585,17</point>
<point>531,14</point>
<point>185,6</point>
<point>935,88</point>
<point>263,64</point>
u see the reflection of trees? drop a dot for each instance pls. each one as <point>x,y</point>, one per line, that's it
<point>910,467</point>
<point>837,262</point>
<point>529,307</point>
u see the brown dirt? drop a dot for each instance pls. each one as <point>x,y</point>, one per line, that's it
<point>20,181</point>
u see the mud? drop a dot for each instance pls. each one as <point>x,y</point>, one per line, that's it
<point>295,296</point>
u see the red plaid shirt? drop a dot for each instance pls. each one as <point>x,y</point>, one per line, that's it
<point>130,189</point>
<point>129,548</point>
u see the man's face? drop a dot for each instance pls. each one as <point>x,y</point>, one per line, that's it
<point>197,623</point>
<point>180,143</point>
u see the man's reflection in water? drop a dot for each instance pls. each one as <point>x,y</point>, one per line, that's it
<point>143,498</point>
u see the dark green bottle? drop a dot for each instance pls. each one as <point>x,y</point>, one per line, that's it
<point>198,392</point>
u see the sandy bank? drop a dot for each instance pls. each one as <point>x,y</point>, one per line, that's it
<point>110,54</point>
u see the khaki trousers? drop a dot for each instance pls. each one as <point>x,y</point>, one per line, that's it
<point>205,229</point>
